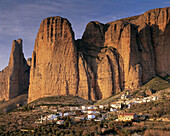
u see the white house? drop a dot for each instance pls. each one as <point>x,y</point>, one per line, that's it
<point>52,117</point>
<point>43,118</point>
<point>144,100</point>
<point>154,98</point>
<point>91,116</point>
<point>66,114</point>
<point>80,118</point>
<point>96,107</point>
<point>90,107</point>
<point>59,122</point>
<point>92,111</point>
<point>83,107</point>
<point>138,101</point>
<point>53,108</point>
<point>116,105</point>
<point>74,108</point>
<point>84,111</point>
<point>129,105</point>
<point>99,119</point>
<point>60,114</point>
<point>101,106</point>
<point>113,110</point>
<point>39,121</point>
<point>148,100</point>
<point>123,96</point>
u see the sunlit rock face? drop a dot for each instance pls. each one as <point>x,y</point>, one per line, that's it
<point>109,58</point>
<point>14,79</point>
<point>54,68</point>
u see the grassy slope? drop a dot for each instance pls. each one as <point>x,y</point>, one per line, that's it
<point>53,100</point>
<point>157,108</point>
<point>61,100</point>
<point>156,83</point>
<point>110,99</point>
<point>12,104</point>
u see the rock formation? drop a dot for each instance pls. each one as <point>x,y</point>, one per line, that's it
<point>54,68</point>
<point>109,58</point>
<point>29,61</point>
<point>14,79</point>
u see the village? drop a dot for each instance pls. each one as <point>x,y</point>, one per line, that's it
<point>57,115</point>
<point>95,112</point>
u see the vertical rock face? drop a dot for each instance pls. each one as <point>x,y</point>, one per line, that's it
<point>109,58</point>
<point>94,33</point>
<point>4,84</point>
<point>86,79</point>
<point>127,53</point>
<point>156,25</point>
<point>146,50</point>
<point>14,79</point>
<point>122,37</point>
<point>54,68</point>
<point>29,61</point>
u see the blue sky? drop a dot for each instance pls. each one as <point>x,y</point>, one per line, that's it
<point>21,18</point>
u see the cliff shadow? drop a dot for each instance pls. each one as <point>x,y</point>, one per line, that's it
<point>153,47</point>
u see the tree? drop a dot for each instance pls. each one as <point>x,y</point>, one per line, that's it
<point>69,124</point>
<point>108,107</point>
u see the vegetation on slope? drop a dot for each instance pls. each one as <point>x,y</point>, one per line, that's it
<point>156,84</point>
<point>12,104</point>
<point>155,108</point>
<point>110,99</point>
<point>61,100</point>
<point>7,106</point>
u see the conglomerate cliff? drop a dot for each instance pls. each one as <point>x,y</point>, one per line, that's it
<point>14,79</point>
<point>54,69</point>
<point>109,58</point>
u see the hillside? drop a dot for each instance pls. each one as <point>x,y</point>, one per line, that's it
<point>158,108</point>
<point>7,106</point>
<point>60,100</point>
<point>155,85</point>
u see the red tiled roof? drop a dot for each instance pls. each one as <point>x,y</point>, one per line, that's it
<point>127,114</point>
<point>60,120</point>
<point>91,110</point>
<point>91,114</point>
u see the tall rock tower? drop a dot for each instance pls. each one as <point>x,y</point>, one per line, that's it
<point>54,60</point>
<point>14,79</point>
